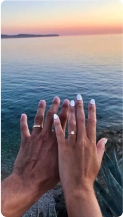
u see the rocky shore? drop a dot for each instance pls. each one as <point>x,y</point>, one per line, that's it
<point>55,196</point>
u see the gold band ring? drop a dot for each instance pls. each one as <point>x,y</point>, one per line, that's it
<point>37,126</point>
<point>72,133</point>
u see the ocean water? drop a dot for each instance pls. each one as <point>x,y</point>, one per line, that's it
<point>41,68</point>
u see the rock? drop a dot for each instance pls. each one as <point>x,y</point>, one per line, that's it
<point>60,203</point>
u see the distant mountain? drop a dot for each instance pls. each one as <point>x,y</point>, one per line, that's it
<point>27,36</point>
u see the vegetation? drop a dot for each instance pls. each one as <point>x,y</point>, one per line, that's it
<point>111,204</point>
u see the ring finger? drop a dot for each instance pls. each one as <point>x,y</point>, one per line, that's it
<point>39,118</point>
<point>72,123</point>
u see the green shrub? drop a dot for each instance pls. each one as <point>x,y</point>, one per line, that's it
<point>112,195</point>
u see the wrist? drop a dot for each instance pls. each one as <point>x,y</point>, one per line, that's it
<point>76,194</point>
<point>81,202</point>
<point>16,196</point>
<point>26,186</point>
<point>77,189</point>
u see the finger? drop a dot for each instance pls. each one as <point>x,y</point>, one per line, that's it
<point>81,129</point>
<point>49,117</point>
<point>24,127</point>
<point>71,123</point>
<point>59,131</point>
<point>63,115</point>
<point>101,149</point>
<point>91,124</point>
<point>39,118</point>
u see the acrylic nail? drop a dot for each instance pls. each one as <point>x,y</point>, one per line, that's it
<point>72,103</point>
<point>55,116</point>
<point>92,101</point>
<point>106,140</point>
<point>79,97</point>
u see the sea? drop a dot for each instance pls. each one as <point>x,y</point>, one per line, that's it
<point>42,68</point>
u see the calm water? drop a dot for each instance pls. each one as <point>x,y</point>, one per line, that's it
<point>41,68</point>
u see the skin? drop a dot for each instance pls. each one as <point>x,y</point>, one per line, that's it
<point>36,166</point>
<point>79,161</point>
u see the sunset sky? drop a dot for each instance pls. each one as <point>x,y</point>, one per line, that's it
<point>62,17</point>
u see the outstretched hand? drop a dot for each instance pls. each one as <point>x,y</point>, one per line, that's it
<point>79,157</point>
<point>37,160</point>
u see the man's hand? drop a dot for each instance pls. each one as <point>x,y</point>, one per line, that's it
<point>36,166</point>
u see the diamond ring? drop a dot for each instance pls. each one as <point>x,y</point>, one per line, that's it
<point>72,133</point>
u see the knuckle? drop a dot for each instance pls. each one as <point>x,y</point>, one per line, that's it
<point>79,104</point>
<point>23,127</point>
<point>38,118</point>
<point>81,118</point>
<point>72,122</point>
<point>43,137</point>
<point>93,142</point>
<point>92,109</point>
<point>83,141</point>
<point>59,133</point>
<point>92,121</point>
<point>49,114</point>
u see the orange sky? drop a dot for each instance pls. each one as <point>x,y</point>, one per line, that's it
<point>62,17</point>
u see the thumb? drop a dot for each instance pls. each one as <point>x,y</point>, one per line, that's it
<point>101,149</point>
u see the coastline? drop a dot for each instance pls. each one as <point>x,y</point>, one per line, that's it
<point>27,36</point>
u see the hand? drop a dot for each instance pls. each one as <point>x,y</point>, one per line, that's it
<point>79,157</point>
<point>37,160</point>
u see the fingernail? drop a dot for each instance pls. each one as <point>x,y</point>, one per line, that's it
<point>92,101</point>
<point>66,102</point>
<point>55,116</point>
<point>41,102</point>
<point>106,140</point>
<point>79,97</point>
<point>72,103</point>
<point>55,98</point>
<point>22,115</point>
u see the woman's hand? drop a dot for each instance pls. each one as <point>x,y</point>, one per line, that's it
<point>79,158</point>
<point>37,160</point>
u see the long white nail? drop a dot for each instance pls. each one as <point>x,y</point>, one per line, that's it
<point>79,97</point>
<point>55,116</point>
<point>72,103</point>
<point>106,140</point>
<point>92,101</point>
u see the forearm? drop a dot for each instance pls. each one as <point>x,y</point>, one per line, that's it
<point>16,198</point>
<point>82,203</point>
